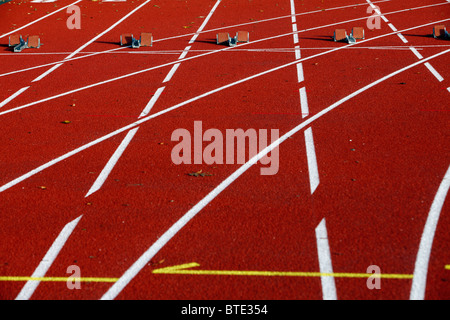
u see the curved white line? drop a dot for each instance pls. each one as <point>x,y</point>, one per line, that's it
<point>175,228</point>
<point>426,242</point>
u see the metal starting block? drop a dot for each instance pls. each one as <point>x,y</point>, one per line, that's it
<point>224,37</point>
<point>340,35</point>
<point>440,32</point>
<point>19,44</point>
<point>127,39</point>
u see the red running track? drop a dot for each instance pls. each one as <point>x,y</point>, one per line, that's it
<point>372,171</point>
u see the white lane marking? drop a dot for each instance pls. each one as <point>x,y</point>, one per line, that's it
<point>417,54</point>
<point>13,96</point>
<point>152,102</point>
<point>434,72</point>
<point>47,72</point>
<point>208,17</point>
<point>118,153</point>
<point>295,35</point>
<point>30,286</point>
<point>143,120</point>
<point>171,73</point>
<point>37,20</point>
<point>448,89</point>
<point>184,53</point>
<point>419,282</point>
<point>325,264</point>
<point>312,160</point>
<point>177,226</point>
<point>202,55</point>
<point>282,35</point>
<point>111,163</point>
<point>107,30</point>
<point>414,50</point>
<point>392,27</point>
<point>300,74</point>
<point>304,102</point>
<point>402,38</point>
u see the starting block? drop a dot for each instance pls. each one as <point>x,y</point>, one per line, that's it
<point>19,44</point>
<point>224,37</point>
<point>440,32</point>
<point>127,39</point>
<point>340,35</point>
<point>358,33</point>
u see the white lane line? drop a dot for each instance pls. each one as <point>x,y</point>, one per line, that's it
<point>184,53</point>
<point>309,141</point>
<point>13,96</point>
<point>130,273</point>
<point>392,27</point>
<point>295,31</point>
<point>448,89</point>
<point>208,17</point>
<point>164,39</point>
<point>152,102</point>
<point>416,53</point>
<point>30,286</point>
<point>111,163</point>
<point>312,160</point>
<point>186,102</point>
<point>107,30</point>
<point>304,102</point>
<point>202,55</point>
<point>118,153</point>
<point>37,20</point>
<point>92,40</point>
<point>47,72</point>
<point>419,282</point>
<point>434,72</point>
<point>300,74</point>
<point>414,50</point>
<point>325,264</point>
<point>171,73</point>
<point>298,55</point>
<point>402,38</point>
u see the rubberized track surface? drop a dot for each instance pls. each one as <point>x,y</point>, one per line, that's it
<point>87,178</point>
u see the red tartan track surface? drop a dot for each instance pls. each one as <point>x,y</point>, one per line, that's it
<point>349,200</point>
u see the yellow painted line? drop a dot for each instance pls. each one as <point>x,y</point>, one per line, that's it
<point>447,267</point>
<point>58,279</point>
<point>182,269</point>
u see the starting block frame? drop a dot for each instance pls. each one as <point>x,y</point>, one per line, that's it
<point>145,40</point>
<point>224,37</point>
<point>19,44</point>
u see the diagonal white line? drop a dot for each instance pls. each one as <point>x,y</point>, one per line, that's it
<point>37,20</point>
<point>118,153</point>
<point>13,96</point>
<point>30,286</point>
<point>325,264</point>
